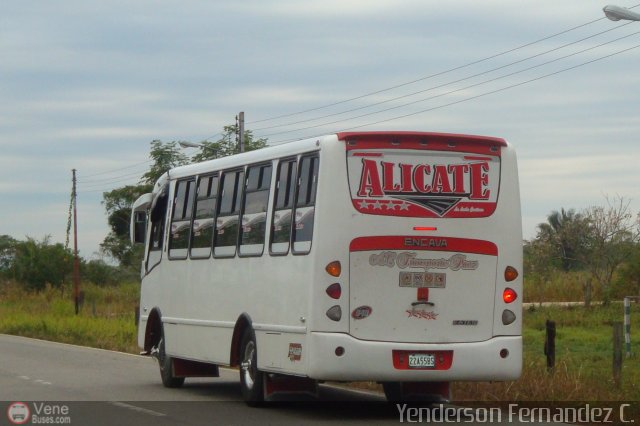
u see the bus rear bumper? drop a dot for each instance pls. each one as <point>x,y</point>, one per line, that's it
<point>376,361</point>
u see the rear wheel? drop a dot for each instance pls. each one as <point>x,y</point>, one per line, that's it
<point>166,367</point>
<point>251,379</point>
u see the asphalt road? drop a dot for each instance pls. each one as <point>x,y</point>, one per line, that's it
<point>76,385</point>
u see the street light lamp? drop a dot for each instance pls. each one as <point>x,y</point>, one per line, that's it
<point>616,13</point>
<point>187,144</point>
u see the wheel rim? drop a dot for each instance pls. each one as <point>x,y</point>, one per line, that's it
<point>247,365</point>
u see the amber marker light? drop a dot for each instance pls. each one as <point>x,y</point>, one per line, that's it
<point>510,273</point>
<point>334,268</point>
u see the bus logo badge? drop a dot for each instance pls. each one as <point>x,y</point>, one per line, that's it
<point>295,351</point>
<point>361,312</point>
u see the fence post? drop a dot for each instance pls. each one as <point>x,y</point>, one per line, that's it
<point>550,345</point>
<point>617,353</point>
<point>627,325</point>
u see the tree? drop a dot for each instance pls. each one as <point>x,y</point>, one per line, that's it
<point>613,233</point>
<point>227,145</point>
<point>37,263</point>
<point>165,156</point>
<point>629,276</point>
<point>118,203</point>
<point>564,232</point>
<point>540,263</point>
<point>7,253</point>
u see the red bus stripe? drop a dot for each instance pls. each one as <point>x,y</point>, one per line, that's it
<point>412,242</point>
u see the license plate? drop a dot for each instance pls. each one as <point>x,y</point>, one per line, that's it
<point>422,279</point>
<point>422,361</point>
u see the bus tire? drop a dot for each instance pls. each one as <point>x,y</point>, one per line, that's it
<point>251,379</point>
<point>166,371</point>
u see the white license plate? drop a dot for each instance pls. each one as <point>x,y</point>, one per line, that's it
<point>422,361</point>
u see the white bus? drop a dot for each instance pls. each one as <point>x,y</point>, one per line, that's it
<point>393,257</point>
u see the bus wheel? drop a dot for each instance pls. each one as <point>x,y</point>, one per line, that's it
<point>251,379</point>
<point>166,370</point>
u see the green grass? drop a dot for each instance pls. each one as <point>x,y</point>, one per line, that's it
<point>584,359</point>
<point>583,341</point>
<point>106,319</point>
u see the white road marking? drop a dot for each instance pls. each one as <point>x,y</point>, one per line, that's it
<point>137,409</point>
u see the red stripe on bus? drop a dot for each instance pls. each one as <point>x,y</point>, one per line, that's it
<point>412,242</point>
<point>423,141</point>
<point>367,154</point>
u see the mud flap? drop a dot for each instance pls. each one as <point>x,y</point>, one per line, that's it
<point>276,385</point>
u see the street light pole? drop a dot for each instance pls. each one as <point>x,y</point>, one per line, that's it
<point>616,13</point>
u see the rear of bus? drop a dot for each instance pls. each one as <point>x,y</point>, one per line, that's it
<point>430,247</point>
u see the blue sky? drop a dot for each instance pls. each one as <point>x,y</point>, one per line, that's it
<point>88,84</point>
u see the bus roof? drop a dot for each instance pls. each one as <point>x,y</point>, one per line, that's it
<point>402,136</point>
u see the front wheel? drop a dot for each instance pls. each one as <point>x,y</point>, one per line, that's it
<point>251,379</point>
<point>166,367</point>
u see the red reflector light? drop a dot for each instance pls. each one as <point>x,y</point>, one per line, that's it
<point>509,295</point>
<point>334,291</point>
<point>334,268</point>
<point>425,228</point>
<point>510,273</point>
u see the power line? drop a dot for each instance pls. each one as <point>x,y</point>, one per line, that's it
<point>471,97</point>
<point>452,91</point>
<point>110,178</point>
<point>429,76</point>
<point>430,88</point>
<point>123,179</point>
<point>118,169</point>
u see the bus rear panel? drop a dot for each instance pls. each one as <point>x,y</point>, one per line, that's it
<point>432,287</point>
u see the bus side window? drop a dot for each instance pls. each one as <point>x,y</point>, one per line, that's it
<point>283,207</point>
<point>158,217</point>
<point>181,221</point>
<point>204,211</point>
<point>305,204</point>
<point>226,235</point>
<point>254,210</point>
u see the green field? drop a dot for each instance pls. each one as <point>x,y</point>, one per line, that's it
<point>584,345</point>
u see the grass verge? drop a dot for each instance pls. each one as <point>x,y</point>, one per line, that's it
<point>584,345</point>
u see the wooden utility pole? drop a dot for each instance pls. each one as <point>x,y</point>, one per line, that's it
<point>241,130</point>
<point>76,262</point>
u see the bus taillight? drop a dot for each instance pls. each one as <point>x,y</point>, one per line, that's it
<point>334,268</point>
<point>509,295</point>
<point>334,291</point>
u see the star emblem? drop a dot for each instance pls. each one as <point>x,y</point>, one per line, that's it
<point>404,206</point>
<point>363,204</point>
<point>390,205</point>
<point>377,205</point>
